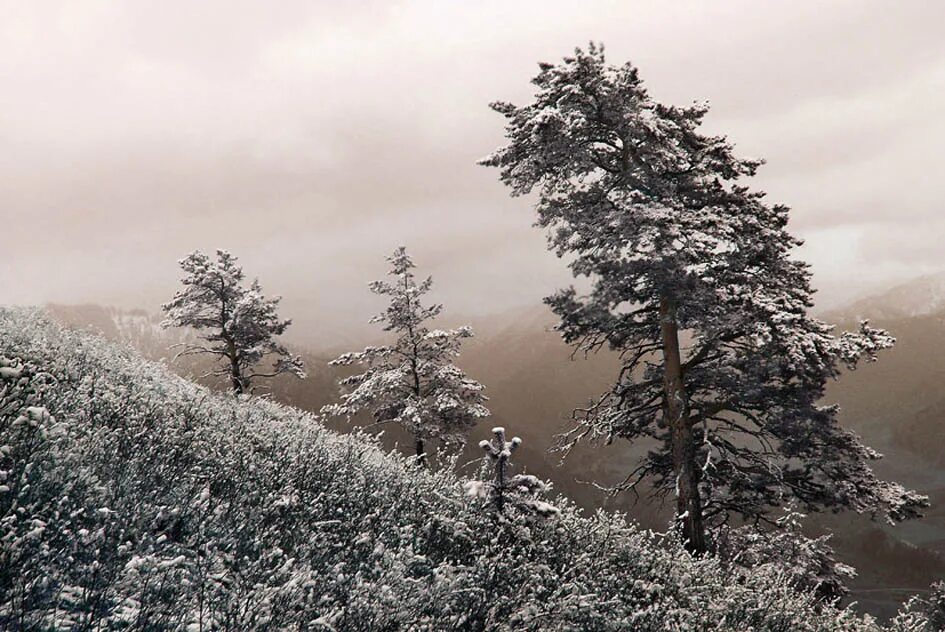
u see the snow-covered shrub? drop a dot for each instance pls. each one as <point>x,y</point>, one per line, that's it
<point>53,517</point>
<point>520,492</point>
<point>810,563</point>
<point>153,504</point>
<point>924,613</point>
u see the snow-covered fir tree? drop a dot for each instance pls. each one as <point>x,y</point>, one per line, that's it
<point>521,491</point>
<point>413,381</point>
<point>238,323</point>
<point>693,283</point>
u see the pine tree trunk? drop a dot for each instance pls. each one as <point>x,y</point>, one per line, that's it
<point>237,383</point>
<point>236,375</point>
<point>421,454</point>
<point>676,417</point>
<point>500,466</point>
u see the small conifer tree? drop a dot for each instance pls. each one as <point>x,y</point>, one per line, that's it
<point>521,491</point>
<point>413,382</point>
<point>239,324</point>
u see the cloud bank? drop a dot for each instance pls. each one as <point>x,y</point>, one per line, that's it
<point>312,138</point>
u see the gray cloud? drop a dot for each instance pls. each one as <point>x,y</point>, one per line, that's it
<point>312,138</point>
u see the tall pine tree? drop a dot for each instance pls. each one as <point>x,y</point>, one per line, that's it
<point>692,282</point>
<point>413,381</point>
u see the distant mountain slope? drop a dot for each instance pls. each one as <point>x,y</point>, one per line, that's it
<point>898,405</point>
<point>919,297</point>
<point>134,499</point>
<point>533,384</point>
<point>143,332</point>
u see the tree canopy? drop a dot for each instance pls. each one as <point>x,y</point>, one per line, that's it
<point>238,323</point>
<point>693,283</point>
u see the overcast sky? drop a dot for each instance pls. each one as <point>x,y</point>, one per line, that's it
<point>311,138</point>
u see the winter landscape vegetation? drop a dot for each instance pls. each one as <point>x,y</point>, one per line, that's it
<point>677,437</point>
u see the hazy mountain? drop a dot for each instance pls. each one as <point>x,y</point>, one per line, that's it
<point>136,327</point>
<point>898,406</point>
<point>919,297</point>
<point>533,383</point>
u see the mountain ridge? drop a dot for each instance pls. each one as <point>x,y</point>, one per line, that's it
<point>921,296</point>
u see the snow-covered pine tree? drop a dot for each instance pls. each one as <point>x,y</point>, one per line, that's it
<point>413,381</point>
<point>523,491</point>
<point>239,323</point>
<point>693,283</point>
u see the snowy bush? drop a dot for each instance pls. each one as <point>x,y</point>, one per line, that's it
<point>810,563</point>
<point>133,499</point>
<point>923,613</point>
<point>520,492</point>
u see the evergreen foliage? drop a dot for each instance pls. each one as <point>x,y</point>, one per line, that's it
<point>239,323</point>
<point>693,283</point>
<point>521,492</point>
<point>413,381</point>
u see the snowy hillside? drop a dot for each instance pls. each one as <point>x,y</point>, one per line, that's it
<point>533,384</point>
<point>134,499</point>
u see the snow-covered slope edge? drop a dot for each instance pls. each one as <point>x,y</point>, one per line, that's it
<point>146,502</point>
